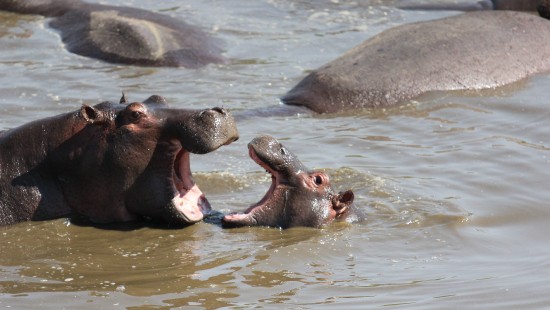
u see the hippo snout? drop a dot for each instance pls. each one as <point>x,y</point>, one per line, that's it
<point>224,119</point>
<point>206,130</point>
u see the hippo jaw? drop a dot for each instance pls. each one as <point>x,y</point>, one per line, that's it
<point>164,189</point>
<point>258,213</point>
<point>189,204</point>
<point>189,201</point>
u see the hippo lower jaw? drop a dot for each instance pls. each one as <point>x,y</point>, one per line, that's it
<point>189,201</point>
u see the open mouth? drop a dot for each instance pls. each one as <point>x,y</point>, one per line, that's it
<point>248,214</point>
<point>275,179</point>
<point>188,200</point>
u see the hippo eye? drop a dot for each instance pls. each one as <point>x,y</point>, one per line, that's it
<point>135,115</point>
<point>283,151</point>
<point>318,180</point>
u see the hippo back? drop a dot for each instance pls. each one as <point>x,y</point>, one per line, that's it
<point>474,50</point>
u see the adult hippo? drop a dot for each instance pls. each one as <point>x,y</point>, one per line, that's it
<point>297,196</point>
<point>123,34</point>
<point>515,5</point>
<point>462,5</point>
<point>474,50</point>
<point>543,7</point>
<point>110,163</point>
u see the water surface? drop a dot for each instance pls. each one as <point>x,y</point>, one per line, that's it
<point>453,185</point>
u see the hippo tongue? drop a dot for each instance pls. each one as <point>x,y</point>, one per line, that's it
<point>192,204</point>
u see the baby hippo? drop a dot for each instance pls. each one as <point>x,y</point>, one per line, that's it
<point>297,196</point>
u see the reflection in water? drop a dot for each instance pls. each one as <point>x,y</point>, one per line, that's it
<point>203,264</point>
<point>194,263</point>
<point>14,25</point>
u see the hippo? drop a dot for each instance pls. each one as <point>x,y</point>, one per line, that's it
<point>110,163</point>
<point>297,196</point>
<point>515,5</point>
<point>124,35</point>
<point>543,7</point>
<point>470,51</point>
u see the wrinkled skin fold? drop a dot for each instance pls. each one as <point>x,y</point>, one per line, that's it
<point>297,196</point>
<point>112,162</point>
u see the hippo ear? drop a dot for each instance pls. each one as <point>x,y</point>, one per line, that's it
<point>123,99</point>
<point>92,115</point>
<point>342,201</point>
<point>155,99</point>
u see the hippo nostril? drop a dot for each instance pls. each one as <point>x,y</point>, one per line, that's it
<point>220,110</point>
<point>213,111</point>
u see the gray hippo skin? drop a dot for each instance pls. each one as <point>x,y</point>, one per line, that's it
<point>297,197</point>
<point>515,5</point>
<point>474,50</point>
<point>123,34</point>
<point>110,163</point>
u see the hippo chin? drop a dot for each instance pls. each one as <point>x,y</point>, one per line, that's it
<point>124,35</point>
<point>297,197</point>
<point>110,163</point>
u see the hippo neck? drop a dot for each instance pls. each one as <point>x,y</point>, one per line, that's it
<point>35,140</point>
<point>24,171</point>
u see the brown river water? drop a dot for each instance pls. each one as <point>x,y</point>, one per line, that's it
<point>453,185</point>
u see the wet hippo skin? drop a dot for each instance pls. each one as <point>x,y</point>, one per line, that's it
<point>475,50</point>
<point>516,5</point>
<point>124,35</point>
<point>297,196</point>
<point>112,162</point>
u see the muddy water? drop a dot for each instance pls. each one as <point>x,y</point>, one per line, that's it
<point>454,186</point>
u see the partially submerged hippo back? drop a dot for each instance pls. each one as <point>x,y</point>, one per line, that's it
<point>516,5</point>
<point>110,163</point>
<point>123,34</point>
<point>297,197</point>
<point>474,50</point>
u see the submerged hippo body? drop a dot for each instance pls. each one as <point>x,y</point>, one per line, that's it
<point>123,34</point>
<point>110,163</point>
<point>475,50</point>
<point>297,197</point>
<point>515,5</point>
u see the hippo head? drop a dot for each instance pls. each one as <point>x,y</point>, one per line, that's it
<point>127,161</point>
<point>297,197</point>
